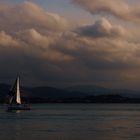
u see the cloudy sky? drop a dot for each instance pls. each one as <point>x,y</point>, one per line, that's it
<point>70,42</point>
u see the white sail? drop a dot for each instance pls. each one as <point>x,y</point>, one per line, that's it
<point>15,99</point>
<point>15,93</point>
<point>18,98</point>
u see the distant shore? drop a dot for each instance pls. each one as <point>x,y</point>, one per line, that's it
<point>102,99</point>
<point>80,94</point>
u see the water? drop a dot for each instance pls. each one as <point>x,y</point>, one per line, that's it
<point>72,122</point>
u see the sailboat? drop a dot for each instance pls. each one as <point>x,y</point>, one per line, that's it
<point>15,98</point>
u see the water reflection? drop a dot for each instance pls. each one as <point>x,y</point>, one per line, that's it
<point>13,111</point>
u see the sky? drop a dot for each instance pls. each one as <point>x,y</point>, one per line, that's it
<point>62,43</point>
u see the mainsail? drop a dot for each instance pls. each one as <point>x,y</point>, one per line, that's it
<point>15,93</point>
<point>18,99</point>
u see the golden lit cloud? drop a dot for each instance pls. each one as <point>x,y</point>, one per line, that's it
<point>7,40</point>
<point>41,45</point>
<point>29,15</point>
<point>119,8</point>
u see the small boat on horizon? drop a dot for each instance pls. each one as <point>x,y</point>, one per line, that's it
<point>14,98</point>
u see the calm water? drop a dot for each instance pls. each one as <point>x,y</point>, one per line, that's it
<point>72,122</point>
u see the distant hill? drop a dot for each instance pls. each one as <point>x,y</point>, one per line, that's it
<point>89,89</point>
<point>41,93</point>
<point>51,92</point>
<point>80,93</point>
<point>97,90</point>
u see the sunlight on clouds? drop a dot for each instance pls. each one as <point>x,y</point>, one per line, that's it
<point>29,15</point>
<point>102,28</point>
<point>36,41</point>
<point>119,8</point>
<point>7,40</point>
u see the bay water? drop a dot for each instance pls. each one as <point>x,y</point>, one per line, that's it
<point>72,122</point>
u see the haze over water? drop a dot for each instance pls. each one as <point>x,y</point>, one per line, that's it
<point>72,122</point>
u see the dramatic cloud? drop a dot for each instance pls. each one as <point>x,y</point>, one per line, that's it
<point>101,28</point>
<point>42,47</point>
<point>28,15</point>
<point>118,8</point>
<point>7,40</point>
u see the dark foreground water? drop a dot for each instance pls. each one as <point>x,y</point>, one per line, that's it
<point>72,122</point>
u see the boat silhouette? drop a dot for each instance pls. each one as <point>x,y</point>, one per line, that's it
<point>14,98</point>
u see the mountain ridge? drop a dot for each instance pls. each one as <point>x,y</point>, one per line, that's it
<point>80,93</point>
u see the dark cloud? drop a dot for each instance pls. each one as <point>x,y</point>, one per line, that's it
<point>45,51</point>
<point>101,28</point>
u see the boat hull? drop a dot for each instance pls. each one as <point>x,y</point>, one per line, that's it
<point>21,107</point>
